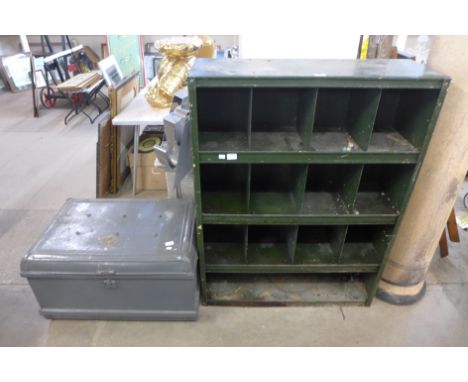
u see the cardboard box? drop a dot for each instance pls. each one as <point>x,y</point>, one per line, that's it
<point>148,177</point>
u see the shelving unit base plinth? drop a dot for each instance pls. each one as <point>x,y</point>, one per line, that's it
<point>285,290</point>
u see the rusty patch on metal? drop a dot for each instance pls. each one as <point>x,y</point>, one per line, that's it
<point>108,240</point>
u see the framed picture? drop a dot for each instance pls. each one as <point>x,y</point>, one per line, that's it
<point>111,71</point>
<point>114,141</point>
<point>16,70</point>
<point>3,83</point>
<point>40,81</point>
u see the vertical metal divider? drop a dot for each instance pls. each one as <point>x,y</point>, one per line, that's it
<point>249,119</point>
<point>292,242</point>
<point>306,116</point>
<point>249,174</point>
<point>197,189</point>
<point>300,174</point>
<point>305,120</point>
<point>246,227</point>
<point>363,108</point>
<point>348,194</point>
<point>373,108</point>
<point>381,241</point>
<point>337,241</point>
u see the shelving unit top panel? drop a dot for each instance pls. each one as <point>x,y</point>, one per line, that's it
<point>323,69</point>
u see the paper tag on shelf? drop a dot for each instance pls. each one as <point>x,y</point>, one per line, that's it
<point>231,156</point>
<point>221,156</point>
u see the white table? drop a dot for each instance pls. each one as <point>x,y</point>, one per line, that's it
<point>138,113</point>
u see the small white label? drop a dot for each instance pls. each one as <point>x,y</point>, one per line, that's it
<point>169,243</point>
<point>221,156</point>
<point>320,74</point>
<point>168,248</point>
<point>231,156</point>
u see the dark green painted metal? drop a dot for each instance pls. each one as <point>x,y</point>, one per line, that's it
<point>249,119</point>
<point>292,219</point>
<point>282,121</point>
<point>227,257</point>
<point>293,268</point>
<point>361,115</point>
<point>413,114</point>
<point>351,112</point>
<point>355,71</point>
<point>299,186</point>
<point>337,241</point>
<point>246,228</point>
<point>292,242</point>
<point>197,188</point>
<point>309,157</point>
<point>306,117</point>
<point>349,188</point>
<point>320,83</point>
<point>246,242</point>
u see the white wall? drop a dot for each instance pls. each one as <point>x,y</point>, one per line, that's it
<point>9,44</point>
<point>251,45</point>
<point>298,46</point>
<point>420,46</point>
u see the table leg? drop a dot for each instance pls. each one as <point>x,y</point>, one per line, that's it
<point>136,141</point>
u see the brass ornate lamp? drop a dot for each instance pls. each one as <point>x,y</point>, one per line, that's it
<point>179,56</point>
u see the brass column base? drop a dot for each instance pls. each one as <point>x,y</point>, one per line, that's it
<point>401,295</point>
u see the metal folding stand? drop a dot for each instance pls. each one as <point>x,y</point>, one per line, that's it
<point>83,98</point>
<point>174,155</point>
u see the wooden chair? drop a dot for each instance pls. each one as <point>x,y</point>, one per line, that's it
<point>452,233</point>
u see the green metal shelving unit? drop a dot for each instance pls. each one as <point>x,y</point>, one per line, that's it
<point>302,172</point>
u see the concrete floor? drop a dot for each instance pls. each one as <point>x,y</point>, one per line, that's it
<point>43,162</point>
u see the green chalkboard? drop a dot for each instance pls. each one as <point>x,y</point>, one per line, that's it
<point>128,52</point>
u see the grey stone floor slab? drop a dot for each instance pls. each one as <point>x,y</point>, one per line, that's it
<point>25,229</point>
<point>454,268</point>
<point>43,162</point>
<point>437,320</point>
<point>414,325</point>
<point>20,323</point>
<point>51,172</point>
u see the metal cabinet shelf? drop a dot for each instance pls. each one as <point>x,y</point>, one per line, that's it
<point>302,169</point>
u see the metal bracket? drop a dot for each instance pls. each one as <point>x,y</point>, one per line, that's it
<point>176,149</point>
